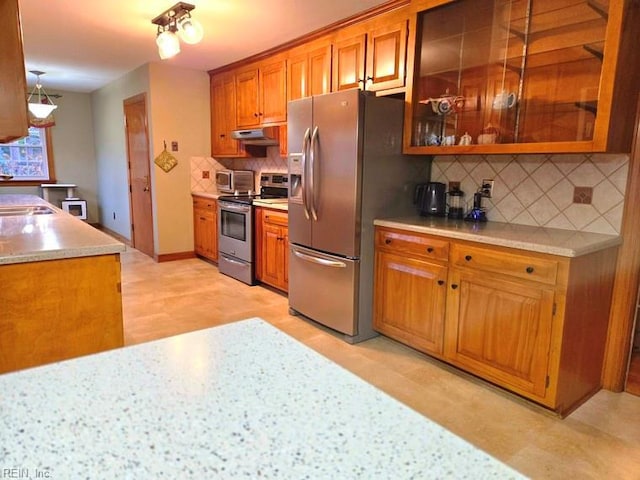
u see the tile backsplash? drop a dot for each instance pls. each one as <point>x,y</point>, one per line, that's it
<point>273,162</point>
<point>538,190</point>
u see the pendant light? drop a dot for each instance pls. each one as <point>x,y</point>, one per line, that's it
<point>40,105</point>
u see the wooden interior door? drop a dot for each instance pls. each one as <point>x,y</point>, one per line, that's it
<point>135,113</point>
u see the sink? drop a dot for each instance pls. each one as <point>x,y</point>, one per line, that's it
<point>18,210</point>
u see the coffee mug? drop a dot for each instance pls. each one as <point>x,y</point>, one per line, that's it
<point>504,100</point>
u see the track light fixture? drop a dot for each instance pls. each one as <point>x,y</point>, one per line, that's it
<point>173,23</point>
<point>40,104</point>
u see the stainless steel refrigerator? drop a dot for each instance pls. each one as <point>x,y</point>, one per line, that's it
<point>345,169</point>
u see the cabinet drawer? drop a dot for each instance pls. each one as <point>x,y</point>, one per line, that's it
<point>203,202</point>
<point>416,244</point>
<point>499,261</point>
<point>276,217</point>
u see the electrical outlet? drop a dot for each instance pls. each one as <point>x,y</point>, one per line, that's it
<point>487,187</point>
<point>205,174</point>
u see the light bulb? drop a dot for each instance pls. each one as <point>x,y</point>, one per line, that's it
<point>168,44</point>
<point>190,30</point>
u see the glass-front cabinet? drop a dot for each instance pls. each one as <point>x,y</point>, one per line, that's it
<point>515,76</point>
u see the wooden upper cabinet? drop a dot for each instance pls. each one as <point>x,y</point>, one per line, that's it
<point>348,63</point>
<point>273,92</point>
<point>386,57</point>
<point>14,120</point>
<point>309,70</point>
<point>223,115</point>
<point>522,76</point>
<point>247,98</point>
<point>261,94</point>
<point>372,55</point>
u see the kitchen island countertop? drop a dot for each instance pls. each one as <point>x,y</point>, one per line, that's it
<point>554,241</point>
<point>31,238</point>
<point>242,400</point>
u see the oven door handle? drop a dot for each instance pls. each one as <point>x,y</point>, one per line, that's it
<point>233,207</point>
<point>305,149</point>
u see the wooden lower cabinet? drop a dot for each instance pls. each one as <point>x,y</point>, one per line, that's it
<point>410,301</point>
<point>54,310</point>
<point>205,227</point>
<point>500,329</point>
<point>272,244</point>
<point>532,323</point>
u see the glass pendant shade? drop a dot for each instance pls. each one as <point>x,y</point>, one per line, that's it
<point>190,30</point>
<point>41,110</point>
<point>168,44</point>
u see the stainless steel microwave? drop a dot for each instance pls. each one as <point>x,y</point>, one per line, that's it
<point>232,181</point>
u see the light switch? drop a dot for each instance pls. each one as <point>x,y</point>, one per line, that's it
<point>174,146</point>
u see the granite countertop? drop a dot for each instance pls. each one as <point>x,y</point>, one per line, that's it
<point>205,194</point>
<point>32,238</point>
<point>242,400</point>
<point>554,241</point>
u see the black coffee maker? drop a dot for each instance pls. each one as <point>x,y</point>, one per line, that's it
<point>431,199</point>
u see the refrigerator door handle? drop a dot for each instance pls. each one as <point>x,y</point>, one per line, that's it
<point>312,157</point>
<point>303,180</point>
<point>320,261</point>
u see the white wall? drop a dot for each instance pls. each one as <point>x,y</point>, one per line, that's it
<point>179,110</point>
<point>73,152</point>
<point>111,150</point>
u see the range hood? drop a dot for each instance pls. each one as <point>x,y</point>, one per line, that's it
<point>266,136</point>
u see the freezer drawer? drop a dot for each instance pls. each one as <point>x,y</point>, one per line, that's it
<point>325,288</point>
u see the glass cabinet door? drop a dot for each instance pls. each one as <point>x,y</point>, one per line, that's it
<point>507,72</point>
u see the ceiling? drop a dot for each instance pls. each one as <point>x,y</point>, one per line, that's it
<point>84,45</point>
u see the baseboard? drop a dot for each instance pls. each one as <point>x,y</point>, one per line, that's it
<point>111,233</point>
<point>170,257</point>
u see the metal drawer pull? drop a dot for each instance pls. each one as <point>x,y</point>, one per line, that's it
<point>530,269</point>
<point>429,249</point>
<point>387,241</point>
<point>468,258</point>
<point>440,282</point>
<point>454,286</point>
<point>320,261</point>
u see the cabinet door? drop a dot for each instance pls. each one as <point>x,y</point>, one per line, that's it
<point>273,93</point>
<point>205,228</point>
<point>14,122</point>
<point>271,254</point>
<point>348,63</point>
<point>247,98</point>
<point>386,56</point>
<point>319,76</point>
<point>500,330</point>
<point>410,301</point>
<point>297,82</point>
<point>223,115</point>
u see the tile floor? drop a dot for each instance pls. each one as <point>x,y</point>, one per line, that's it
<point>600,440</point>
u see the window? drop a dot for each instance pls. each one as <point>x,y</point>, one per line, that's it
<point>29,160</point>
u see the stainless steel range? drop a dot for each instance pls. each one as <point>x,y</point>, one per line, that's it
<point>235,227</point>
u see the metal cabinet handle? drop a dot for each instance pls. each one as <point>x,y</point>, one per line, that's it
<point>387,241</point>
<point>429,249</point>
<point>454,286</point>
<point>440,282</point>
<point>530,269</point>
<point>468,258</point>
